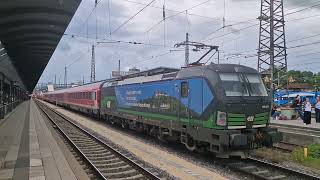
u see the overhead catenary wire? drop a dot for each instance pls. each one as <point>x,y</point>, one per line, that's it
<point>303,9</point>
<point>223,35</point>
<point>114,41</point>
<point>150,58</point>
<point>303,38</point>
<point>219,28</point>
<point>307,54</point>
<point>306,17</point>
<point>128,20</point>
<point>91,12</point>
<point>303,45</point>
<point>77,59</point>
<point>224,26</point>
<point>247,27</point>
<point>240,54</point>
<point>290,41</point>
<point>180,12</point>
<point>136,43</point>
<point>174,10</point>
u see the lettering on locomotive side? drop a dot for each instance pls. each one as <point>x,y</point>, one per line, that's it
<point>133,92</point>
<point>138,105</point>
<point>131,98</point>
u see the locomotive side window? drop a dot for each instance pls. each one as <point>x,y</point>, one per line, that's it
<point>184,89</point>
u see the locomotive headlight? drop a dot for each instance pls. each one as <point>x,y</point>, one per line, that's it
<point>221,118</point>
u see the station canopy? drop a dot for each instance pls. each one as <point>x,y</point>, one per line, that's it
<point>30,31</point>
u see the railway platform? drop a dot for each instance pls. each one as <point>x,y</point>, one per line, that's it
<point>295,132</point>
<point>28,149</point>
<point>298,123</point>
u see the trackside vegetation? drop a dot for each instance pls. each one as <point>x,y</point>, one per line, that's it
<point>313,158</point>
<point>296,156</point>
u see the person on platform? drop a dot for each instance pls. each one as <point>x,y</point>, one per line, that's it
<point>307,112</point>
<point>275,114</point>
<point>317,108</point>
<point>297,106</point>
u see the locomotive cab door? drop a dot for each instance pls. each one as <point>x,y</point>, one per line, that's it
<point>185,102</point>
<point>187,132</point>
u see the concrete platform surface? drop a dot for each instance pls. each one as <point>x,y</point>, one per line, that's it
<point>298,123</point>
<point>27,148</point>
<point>295,132</point>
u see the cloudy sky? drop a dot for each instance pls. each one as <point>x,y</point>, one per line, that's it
<point>203,20</point>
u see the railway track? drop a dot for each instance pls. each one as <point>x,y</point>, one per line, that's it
<point>256,168</point>
<point>260,169</point>
<point>286,147</point>
<point>104,161</point>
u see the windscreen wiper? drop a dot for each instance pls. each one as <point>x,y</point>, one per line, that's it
<point>248,83</point>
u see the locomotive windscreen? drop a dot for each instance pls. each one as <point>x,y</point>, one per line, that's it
<point>241,84</point>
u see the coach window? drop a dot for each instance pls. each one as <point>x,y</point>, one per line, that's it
<point>184,89</point>
<point>93,96</point>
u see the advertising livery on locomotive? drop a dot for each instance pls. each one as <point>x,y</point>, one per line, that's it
<point>221,108</point>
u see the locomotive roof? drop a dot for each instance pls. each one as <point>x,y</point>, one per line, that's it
<point>232,68</point>
<point>169,73</point>
<point>161,73</point>
<point>227,68</point>
<point>151,72</point>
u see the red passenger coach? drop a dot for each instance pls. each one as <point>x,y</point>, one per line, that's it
<point>84,98</point>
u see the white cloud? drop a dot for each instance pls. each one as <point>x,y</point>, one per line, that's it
<point>107,55</point>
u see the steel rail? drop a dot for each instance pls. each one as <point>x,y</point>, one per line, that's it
<point>136,166</point>
<point>287,170</point>
<point>260,164</point>
<point>261,169</point>
<point>73,144</point>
